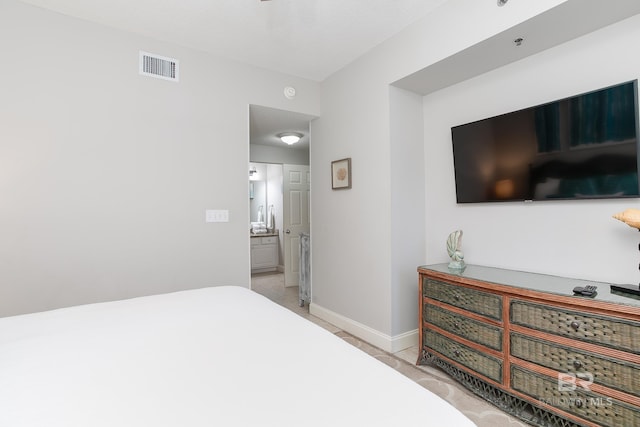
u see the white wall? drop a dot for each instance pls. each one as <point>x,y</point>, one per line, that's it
<point>284,155</point>
<point>350,232</point>
<point>407,206</point>
<point>569,238</point>
<point>105,175</point>
<point>357,265</point>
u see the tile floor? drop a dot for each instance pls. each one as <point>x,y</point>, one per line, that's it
<point>480,412</point>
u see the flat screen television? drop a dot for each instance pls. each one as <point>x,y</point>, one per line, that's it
<point>582,147</point>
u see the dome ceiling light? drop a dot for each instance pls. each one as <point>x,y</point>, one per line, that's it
<point>290,138</point>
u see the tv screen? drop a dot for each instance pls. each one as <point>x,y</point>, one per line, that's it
<point>583,147</point>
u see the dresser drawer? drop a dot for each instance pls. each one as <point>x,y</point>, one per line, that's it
<point>464,327</point>
<point>575,399</point>
<point>479,302</point>
<point>621,375</point>
<point>608,331</point>
<point>472,359</point>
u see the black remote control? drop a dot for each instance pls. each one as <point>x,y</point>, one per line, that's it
<point>585,291</point>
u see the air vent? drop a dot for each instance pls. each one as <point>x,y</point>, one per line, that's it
<point>159,67</point>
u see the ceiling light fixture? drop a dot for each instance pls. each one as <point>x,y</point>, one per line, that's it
<point>290,137</point>
<point>502,2</point>
<point>518,41</point>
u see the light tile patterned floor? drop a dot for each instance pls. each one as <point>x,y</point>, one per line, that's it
<point>480,412</point>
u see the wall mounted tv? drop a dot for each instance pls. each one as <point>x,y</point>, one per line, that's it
<point>583,147</point>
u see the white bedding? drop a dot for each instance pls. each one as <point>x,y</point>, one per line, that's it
<point>222,356</point>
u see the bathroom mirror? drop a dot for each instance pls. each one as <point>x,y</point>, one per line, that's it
<point>258,190</point>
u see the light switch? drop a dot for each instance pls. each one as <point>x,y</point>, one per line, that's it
<point>216,215</point>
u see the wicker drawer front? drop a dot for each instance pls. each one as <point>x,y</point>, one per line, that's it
<point>483,364</point>
<point>609,372</point>
<point>616,333</point>
<point>597,408</point>
<point>472,330</point>
<point>478,302</point>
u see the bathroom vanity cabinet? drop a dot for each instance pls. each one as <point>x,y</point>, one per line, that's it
<point>264,252</point>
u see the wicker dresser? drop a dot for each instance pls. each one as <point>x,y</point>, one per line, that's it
<point>524,342</point>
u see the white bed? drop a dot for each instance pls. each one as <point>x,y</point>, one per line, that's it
<point>222,356</point>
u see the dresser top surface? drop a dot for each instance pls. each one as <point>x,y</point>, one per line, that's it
<point>536,282</point>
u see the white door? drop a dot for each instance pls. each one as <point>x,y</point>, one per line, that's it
<point>296,220</point>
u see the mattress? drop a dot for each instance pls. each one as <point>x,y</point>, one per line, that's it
<point>222,356</point>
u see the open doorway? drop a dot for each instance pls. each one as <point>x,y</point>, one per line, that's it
<point>284,167</point>
<point>266,217</point>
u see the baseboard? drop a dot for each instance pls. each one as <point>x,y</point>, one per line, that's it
<point>364,332</point>
<point>404,340</point>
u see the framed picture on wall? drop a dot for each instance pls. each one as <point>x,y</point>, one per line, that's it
<point>341,174</point>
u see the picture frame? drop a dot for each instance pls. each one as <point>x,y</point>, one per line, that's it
<point>341,174</point>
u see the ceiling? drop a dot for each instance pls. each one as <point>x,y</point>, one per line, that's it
<point>546,30</point>
<point>305,38</point>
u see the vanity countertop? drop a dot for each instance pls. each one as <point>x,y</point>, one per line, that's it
<point>273,233</point>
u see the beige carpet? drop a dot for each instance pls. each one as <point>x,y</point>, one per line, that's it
<point>477,410</point>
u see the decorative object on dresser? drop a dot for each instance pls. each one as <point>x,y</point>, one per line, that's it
<point>526,343</point>
<point>631,217</point>
<point>454,243</point>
